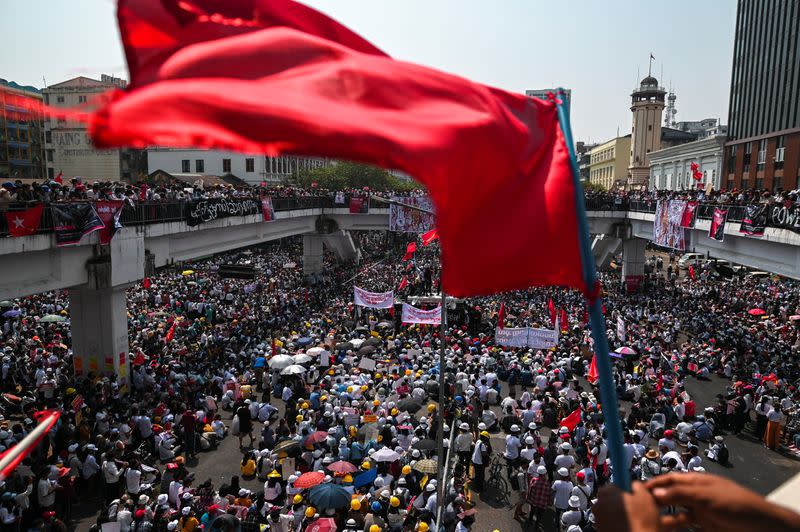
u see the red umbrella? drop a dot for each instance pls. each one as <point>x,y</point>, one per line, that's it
<point>307,480</point>
<point>316,437</point>
<point>342,467</point>
<point>326,524</point>
<point>756,311</point>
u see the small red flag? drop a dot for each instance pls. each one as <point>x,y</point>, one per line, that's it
<point>410,250</point>
<point>146,283</point>
<point>430,236</point>
<point>403,283</point>
<point>171,332</point>
<point>24,223</point>
<point>59,178</point>
<point>564,321</point>
<point>274,347</point>
<point>552,308</point>
<point>391,311</point>
<point>265,76</point>
<point>691,273</point>
<point>572,420</point>
<point>593,374</point>
<point>501,316</point>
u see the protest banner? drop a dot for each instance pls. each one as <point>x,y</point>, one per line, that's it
<point>717,229</point>
<point>109,212</point>
<point>72,221</point>
<point>621,332</point>
<point>363,298</point>
<point>667,228</point>
<point>413,314</point>
<point>408,220</point>
<point>267,211</point>
<point>526,337</point>
<point>689,214</point>
<point>754,222</point>
<point>202,211</point>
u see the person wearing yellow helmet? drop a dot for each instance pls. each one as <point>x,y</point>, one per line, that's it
<point>376,403</point>
<point>394,502</point>
<point>378,376</point>
<point>348,479</point>
<point>375,528</point>
<point>366,465</point>
<point>480,459</point>
<point>297,499</point>
<point>423,527</point>
<point>355,505</point>
<point>431,407</point>
<point>310,511</point>
<point>299,418</point>
<point>349,389</point>
<point>406,469</point>
<point>304,406</point>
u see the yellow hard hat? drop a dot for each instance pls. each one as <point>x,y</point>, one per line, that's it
<point>374,528</point>
<point>484,434</point>
<point>348,479</point>
<point>379,438</point>
<point>406,469</point>
<point>349,389</point>
<point>331,372</point>
<point>378,375</point>
<point>299,418</point>
<point>355,504</point>
<point>323,398</point>
<point>297,499</point>
<point>353,431</point>
<point>376,403</point>
<point>304,406</point>
<point>364,388</point>
<point>423,527</point>
<point>310,511</point>
<point>408,372</point>
<point>431,407</point>
<point>394,501</point>
<point>395,411</point>
<point>366,465</point>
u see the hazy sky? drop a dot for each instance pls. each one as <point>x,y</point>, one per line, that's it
<point>593,47</point>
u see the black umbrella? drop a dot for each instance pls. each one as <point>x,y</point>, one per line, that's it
<point>384,325</point>
<point>425,445</point>
<point>371,341</point>
<point>367,350</point>
<point>361,329</point>
<point>344,346</point>
<point>409,405</point>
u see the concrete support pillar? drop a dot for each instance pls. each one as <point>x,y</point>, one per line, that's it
<point>633,258</point>
<point>312,254</point>
<point>99,321</point>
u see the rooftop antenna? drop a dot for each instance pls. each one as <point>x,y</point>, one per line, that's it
<point>44,81</point>
<point>662,70</point>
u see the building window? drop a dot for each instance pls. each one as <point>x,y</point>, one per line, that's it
<point>748,148</point>
<point>759,184</point>
<point>199,166</point>
<point>732,160</point>
<point>60,99</point>
<point>249,165</point>
<point>762,154</point>
<point>48,137</point>
<point>649,127</point>
<point>185,166</point>
<point>51,173</point>
<point>50,156</point>
<point>780,150</point>
<point>82,99</point>
<point>730,184</point>
<point>777,183</point>
<point>226,166</point>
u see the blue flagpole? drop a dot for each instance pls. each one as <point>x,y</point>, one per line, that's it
<point>608,394</point>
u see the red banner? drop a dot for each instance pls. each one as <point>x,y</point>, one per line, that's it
<point>108,211</point>
<point>266,209</point>
<point>689,212</point>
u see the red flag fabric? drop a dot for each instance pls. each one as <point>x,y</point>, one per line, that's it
<point>403,283</point>
<point>691,273</point>
<point>429,237</point>
<point>552,308</point>
<point>24,223</point>
<point>60,177</point>
<point>564,321</point>
<point>572,420</point>
<point>593,374</point>
<point>501,316</point>
<point>146,283</point>
<point>11,458</point>
<point>171,332</point>
<point>272,76</point>
<point>411,248</point>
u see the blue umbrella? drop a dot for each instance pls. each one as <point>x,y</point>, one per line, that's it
<point>305,340</point>
<point>365,478</point>
<point>329,495</point>
<point>13,313</point>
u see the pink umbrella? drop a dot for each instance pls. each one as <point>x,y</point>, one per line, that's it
<point>316,437</point>
<point>310,479</point>
<point>326,524</point>
<point>756,311</point>
<point>796,317</point>
<point>625,350</point>
<point>342,467</point>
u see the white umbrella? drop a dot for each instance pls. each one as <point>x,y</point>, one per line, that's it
<point>301,358</point>
<point>280,361</point>
<point>316,351</point>
<point>356,342</point>
<point>385,455</point>
<point>294,369</point>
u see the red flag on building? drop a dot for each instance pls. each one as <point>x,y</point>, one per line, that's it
<point>24,223</point>
<point>274,77</point>
<point>411,248</point>
<point>429,237</point>
<point>501,316</point>
<point>552,308</point>
<point>564,321</point>
<point>403,283</point>
<point>59,178</point>
<point>593,374</point>
<point>572,420</point>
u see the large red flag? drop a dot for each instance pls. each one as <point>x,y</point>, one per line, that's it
<point>501,316</point>
<point>273,76</point>
<point>60,177</point>
<point>593,374</point>
<point>429,236</point>
<point>12,457</point>
<point>403,283</point>
<point>24,223</point>
<point>572,420</point>
<point>552,308</point>
<point>411,248</point>
<point>564,321</point>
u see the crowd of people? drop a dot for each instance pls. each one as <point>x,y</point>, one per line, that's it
<point>334,408</point>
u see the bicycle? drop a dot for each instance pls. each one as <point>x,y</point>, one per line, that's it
<point>496,486</point>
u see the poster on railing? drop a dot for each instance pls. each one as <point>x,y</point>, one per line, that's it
<point>413,314</point>
<point>667,230</point>
<point>717,229</point>
<point>409,220</point>
<point>754,222</point>
<point>785,217</point>
<point>267,211</point>
<point>109,212</point>
<point>359,205</point>
<point>363,298</point>
<point>621,330</point>
<point>202,211</point>
<point>689,214</point>
<point>72,221</point>
<point>526,337</point>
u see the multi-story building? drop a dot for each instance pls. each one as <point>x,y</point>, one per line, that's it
<point>251,168</point>
<point>647,103</point>
<point>763,148</point>
<point>21,132</point>
<point>68,147</point>
<point>582,151</point>
<point>543,94</point>
<point>608,162</point>
<point>671,168</point>
<point>707,127</point>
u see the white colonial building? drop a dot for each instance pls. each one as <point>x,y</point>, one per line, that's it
<point>671,168</point>
<point>252,168</point>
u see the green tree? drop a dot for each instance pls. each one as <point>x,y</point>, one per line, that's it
<point>346,174</point>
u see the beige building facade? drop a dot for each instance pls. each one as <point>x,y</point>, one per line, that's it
<point>647,105</point>
<point>608,162</point>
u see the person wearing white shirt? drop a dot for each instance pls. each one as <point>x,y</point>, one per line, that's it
<point>562,491</point>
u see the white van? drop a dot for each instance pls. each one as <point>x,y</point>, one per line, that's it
<point>690,259</point>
